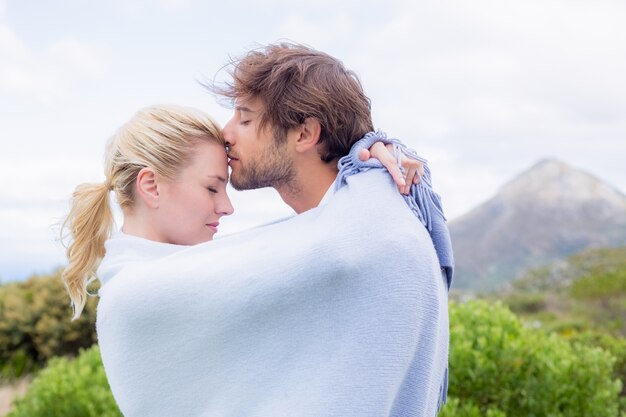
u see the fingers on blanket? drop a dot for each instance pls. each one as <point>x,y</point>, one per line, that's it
<point>384,153</point>
<point>364,154</point>
<point>414,170</point>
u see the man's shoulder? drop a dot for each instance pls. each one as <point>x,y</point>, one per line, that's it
<point>370,224</point>
<point>374,192</point>
<point>370,206</point>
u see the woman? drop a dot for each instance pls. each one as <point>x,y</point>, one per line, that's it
<point>168,169</point>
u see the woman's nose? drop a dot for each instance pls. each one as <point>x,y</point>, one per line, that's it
<point>225,207</point>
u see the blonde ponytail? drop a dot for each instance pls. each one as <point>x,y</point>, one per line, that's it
<point>89,222</point>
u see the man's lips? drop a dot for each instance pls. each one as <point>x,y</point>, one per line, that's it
<point>213,226</point>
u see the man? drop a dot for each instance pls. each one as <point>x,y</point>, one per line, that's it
<point>297,111</point>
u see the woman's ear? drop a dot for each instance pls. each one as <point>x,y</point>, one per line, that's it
<point>309,136</point>
<point>147,187</point>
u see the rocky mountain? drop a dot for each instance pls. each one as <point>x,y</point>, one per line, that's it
<point>548,212</point>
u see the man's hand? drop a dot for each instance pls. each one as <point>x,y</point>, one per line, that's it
<point>404,176</point>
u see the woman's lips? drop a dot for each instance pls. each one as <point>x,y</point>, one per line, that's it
<point>213,226</point>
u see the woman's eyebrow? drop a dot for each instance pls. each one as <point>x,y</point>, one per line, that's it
<point>219,177</point>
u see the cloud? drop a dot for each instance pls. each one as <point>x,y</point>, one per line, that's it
<point>140,9</point>
<point>499,85</point>
<point>175,5</point>
<point>82,59</point>
<point>45,180</point>
<point>34,245</point>
<point>302,28</point>
<point>49,75</point>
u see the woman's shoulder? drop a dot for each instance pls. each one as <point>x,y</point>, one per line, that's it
<point>122,250</point>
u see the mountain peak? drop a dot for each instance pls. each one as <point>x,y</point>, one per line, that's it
<point>554,180</point>
<point>550,164</point>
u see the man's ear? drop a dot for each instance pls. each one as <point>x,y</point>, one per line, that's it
<point>309,136</point>
<point>147,187</point>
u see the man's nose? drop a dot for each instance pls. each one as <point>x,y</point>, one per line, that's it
<point>229,132</point>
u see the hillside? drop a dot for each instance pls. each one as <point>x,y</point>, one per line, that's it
<point>546,213</point>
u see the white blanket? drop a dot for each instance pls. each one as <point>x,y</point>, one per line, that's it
<point>340,311</point>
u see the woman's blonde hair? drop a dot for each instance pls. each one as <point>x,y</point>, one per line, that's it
<point>161,137</point>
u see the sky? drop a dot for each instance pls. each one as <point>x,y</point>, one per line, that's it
<point>482,89</point>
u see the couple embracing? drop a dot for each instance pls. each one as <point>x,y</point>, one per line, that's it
<point>339,310</point>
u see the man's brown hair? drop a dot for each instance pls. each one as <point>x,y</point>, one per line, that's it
<point>295,82</point>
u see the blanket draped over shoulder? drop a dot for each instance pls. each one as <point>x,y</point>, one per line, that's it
<point>423,200</point>
<point>339,311</point>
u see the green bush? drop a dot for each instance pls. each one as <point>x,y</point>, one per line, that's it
<point>456,408</point>
<point>616,346</point>
<point>602,285</point>
<point>69,388</point>
<point>499,366</point>
<point>35,325</point>
<point>602,297</point>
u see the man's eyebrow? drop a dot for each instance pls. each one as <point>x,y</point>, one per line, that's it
<point>220,178</point>
<point>244,108</point>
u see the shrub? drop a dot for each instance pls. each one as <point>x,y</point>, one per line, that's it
<point>499,366</point>
<point>69,388</point>
<point>616,346</point>
<point>35,325</point>
<point>456,408</point>
<point>602,285</point>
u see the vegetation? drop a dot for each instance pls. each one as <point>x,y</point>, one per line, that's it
<point>35,325</point>
<point>500,367</point>
<point>581,299</point>
<point>69,388</point>
<point>587,291</point>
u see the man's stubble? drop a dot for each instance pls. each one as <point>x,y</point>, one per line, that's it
<point>272,167</point>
